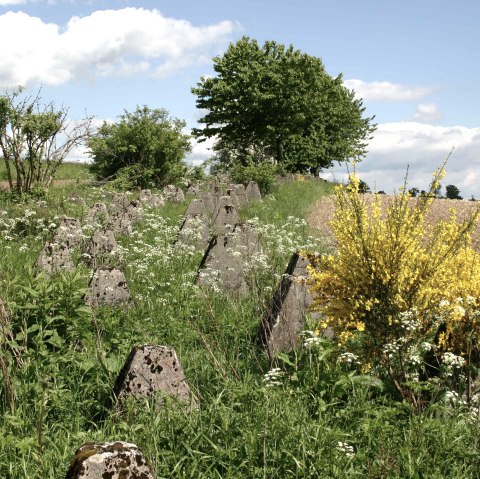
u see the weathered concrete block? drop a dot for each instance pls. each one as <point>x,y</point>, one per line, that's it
<point>241,195</point>
<point>150,199</point>
<point>282,325</point>
<point>54,258</point>
<point>102,249</point>
<point>149,370</point>
<point>208,201</point>
<point>226,261</point>
<point>173,193</point>
<point>233,197</point>
<point>196,207</point>
<point>69,232</point>
<point>195,231</point>
<point>108,287</point>
<point>252,191</point>
<point>226,217</point>
<point>97,214</point>
<point>111,460</point>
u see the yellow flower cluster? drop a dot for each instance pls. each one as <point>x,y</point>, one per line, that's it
<point>390,261</point>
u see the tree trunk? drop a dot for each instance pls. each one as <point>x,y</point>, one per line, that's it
<point>279,151</point>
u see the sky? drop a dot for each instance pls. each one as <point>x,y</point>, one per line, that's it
<point>415,64</point>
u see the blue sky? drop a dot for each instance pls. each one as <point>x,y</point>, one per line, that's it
<point>415,64</point>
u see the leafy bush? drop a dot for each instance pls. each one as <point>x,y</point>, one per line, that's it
<point>263,174</point>
<point>400,294</point>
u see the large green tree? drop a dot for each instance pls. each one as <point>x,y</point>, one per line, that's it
<point>35,138</point>
<point>280,101</point>
<point>145,147</point>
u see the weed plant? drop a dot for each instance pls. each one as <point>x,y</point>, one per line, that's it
<point>311,415</point>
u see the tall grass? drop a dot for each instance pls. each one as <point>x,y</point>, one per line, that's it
<point>321,421</point>
<point>66,171</point>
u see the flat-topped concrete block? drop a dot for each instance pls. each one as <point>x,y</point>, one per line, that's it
<point>108,287</point>
<point>110,460</point>
<point>152,370</point>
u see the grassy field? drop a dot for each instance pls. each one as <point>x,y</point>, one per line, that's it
<point>322,419</point>
<point>66,171</point>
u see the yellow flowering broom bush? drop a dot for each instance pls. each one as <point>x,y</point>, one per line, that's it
<point>399,292</point>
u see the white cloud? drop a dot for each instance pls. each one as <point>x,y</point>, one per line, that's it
<point>423,147</point>
<point>107,42</point>
<point>201,151</point>
<point>387,91</point>
<point>426,112</point>
<point>11,2</point>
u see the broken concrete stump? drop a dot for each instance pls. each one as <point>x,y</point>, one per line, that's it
<point>54,258</point>
<point>108,287</point>
<point>195,231</point>
<point>252,191</point>
<point>112,460</point>
<point>282,325</point>
<point>102,249</point>
<point>152,370</point>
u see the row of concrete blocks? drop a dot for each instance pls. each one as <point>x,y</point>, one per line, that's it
<point>156,371</point>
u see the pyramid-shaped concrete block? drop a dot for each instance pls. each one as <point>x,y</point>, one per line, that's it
<point>108,287</point>
<point>241,195</point>
<point>285,320</point>
<point>69,232</point>
<point>174,194</point>
<point>152,370</point>
<point>97,214</point>
<point>208,201</point>
<point>196,207</point>
<point>55,258</point>
<point>195,231</point>
<point>112,460</point>
<point>226,217</point>
<point>252,191</point>
<point>150,199</point>
<point>102,249</point>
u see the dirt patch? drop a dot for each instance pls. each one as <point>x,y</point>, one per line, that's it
<point>322,213</point>
<point>4,184</point>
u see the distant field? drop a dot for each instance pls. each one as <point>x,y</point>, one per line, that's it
<point>67,171</point>
<point>322,213</point>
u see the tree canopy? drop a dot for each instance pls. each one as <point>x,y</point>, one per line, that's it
<point>35,138</point>
<point>280,102</point>
<point>147,147</point>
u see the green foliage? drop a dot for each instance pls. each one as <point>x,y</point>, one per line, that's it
<point>35,139</point>
<point>322,420</point>
<point>452,192</point>
<point>144,148</point>
<point>263,174</point>
<point>277,102</point>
